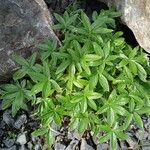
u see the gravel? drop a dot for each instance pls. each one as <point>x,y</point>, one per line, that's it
<point>21,139</point>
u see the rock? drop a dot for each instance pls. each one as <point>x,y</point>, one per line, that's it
<point>23,147</point>
<point>21,139</point>
<point>59,146</point>
<point>135,14</point>
<point>73,144</point>
<point>30,145</point>
<point>145,145</point>
<point>9,142</point>
<point>20,121</point>
<point>132,143</point>
<point>11,148</point>
<point>34,139</point>
<point>23,24</point>
<point>141,135</point>
<point>7,118</point>
<point>103,146</point>
<point>37,147</point>
<point>1,133</point>
<point>85,146</point>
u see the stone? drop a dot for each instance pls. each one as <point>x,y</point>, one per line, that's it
<point>7,118</point>
<point>141,135</point>
<point>21,139</point>
<point>132,143</point>
<point>136,15</point>
<point>103,146</point>
<point>37,147</point>
<point>30,145</point>
<point>59,146</point>
<point>23,25</point>
<point>11,148</point>
<point>21,120</point>
<point>23,147</point>
<point>9,142</point>
<point>1,133</point>
<point>84,145</point>
<point>73,144</point>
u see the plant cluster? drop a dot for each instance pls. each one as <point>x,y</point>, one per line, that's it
<point>94,77</point>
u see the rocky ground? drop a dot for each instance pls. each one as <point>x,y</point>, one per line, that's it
<point>15,134</point>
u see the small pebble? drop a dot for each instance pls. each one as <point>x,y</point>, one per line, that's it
<point>30,145</point>
<point>103,146</point>
<point>73,144</point>
<point>59,146</point>
<point>9,142</point>
<point>22,139</point>
<point>132,143</point>
<point>85,146</point>
<point>141,135</point>
<point>21,120</point>
<point>8,118</point>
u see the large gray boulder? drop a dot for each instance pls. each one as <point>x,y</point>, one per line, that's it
<point>23,24</point>
<point>136,15</point>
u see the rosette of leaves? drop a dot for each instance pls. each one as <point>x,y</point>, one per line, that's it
<point>94,77</point>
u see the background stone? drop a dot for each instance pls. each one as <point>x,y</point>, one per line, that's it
<point>23,24</point>
<point>136,15</point>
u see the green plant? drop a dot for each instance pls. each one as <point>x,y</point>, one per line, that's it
<point>95,77</point>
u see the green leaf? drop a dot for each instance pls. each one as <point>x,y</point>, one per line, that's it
<point>77,98</point>
<point>50,138</point>
<point>102,109</point>
<point>92,104</point>
<point>60,19</point>
<point>102,31</point>
<point>36,76</point>
<point>46,91</point>
<point>19,74</point>
<point>104,138</point>
<point>111,116</point>
<point>141,72</point>
<point>91,57</point>
<point>39,132</point>
<point>103,82</point>
<point>98,50</point>
<point>127,122</point>
<point>121,135</point>
<point>133,67</point>
<point>85,21</point>
<point>9,95</point>
<point>17,102</point>
<point>119,110</point>
<point>138,120</point>
<point>144,110</point>
<point>6,103</point>
<point>20,60</point>
<point>63,66</point>
<point>113,141</point>
<point>93,81</point>
<point>83,105</point>
<point>83,125</point>
<point>128,73</point>
<point>32,59</point>
<point>37,88</point>
<point>106,49</point>
<point>56,86</point>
